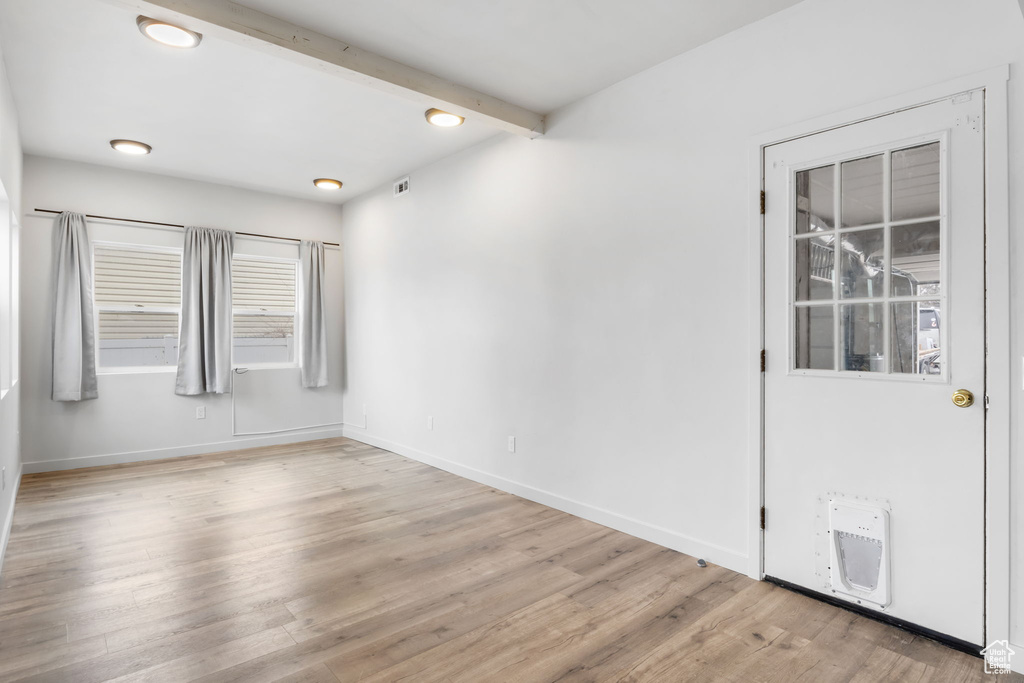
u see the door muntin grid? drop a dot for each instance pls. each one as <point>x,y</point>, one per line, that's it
<point>869,264</point>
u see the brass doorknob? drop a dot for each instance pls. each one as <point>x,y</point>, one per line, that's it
<point>963,398</point>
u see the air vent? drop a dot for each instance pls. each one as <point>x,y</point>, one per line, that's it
<point>402,186</point>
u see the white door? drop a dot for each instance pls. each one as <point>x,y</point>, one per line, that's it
<point>874,316</point>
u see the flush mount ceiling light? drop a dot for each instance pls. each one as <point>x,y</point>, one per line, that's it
<point>167,34</point>
<point>131,147</point>
<point>327,183</point>
<point>443,119</point>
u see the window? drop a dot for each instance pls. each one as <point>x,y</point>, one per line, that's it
<point>15,310</point>
<point>867,265</point>
<point>138,301</point>
<point>263,293</point>
<point>8,298</point>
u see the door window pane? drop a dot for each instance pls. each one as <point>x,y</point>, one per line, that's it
<point>862,191</point>
<point>916,328</point>
<point>847,316</point>
<point>815,203</point>
<point>862,258</point>
<point>815,338</point>
<point>915,182</point>
<point>862,337</point>
<point>815,267</point>
<point>916,268</point>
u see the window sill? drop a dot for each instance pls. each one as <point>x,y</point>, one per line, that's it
<point>266,366</point>
<point>136,370</point>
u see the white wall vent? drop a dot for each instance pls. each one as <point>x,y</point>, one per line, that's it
<point>402,186</point>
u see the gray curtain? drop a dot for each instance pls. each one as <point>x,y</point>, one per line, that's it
<point>74,328</point>
<point>312,326</point>
<point>204,340</point>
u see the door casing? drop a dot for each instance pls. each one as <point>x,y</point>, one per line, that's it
<point>997,322</point>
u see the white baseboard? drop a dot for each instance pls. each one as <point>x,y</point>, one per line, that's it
<point>1017,662</point>
<point>724,557</point>
<point>178,451</point>
<point>9,520</point>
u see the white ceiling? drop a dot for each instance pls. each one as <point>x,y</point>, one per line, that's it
<point>82,74</point>
<point>537,54</point>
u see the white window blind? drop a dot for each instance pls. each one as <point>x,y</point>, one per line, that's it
<point>138,301</point>
<point>264,301</point>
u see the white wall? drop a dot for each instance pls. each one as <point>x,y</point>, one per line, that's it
<point>588,292</point>
<point>10,176</point>
<point>10,143</point>
<point>138,416</point>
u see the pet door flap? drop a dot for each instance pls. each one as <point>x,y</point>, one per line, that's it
<point>861,560</point>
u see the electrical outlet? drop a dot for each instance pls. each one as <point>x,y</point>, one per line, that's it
<point>402,187</point>
<point>430,422</point>
<point>201,413</point>
<point>511,444</point>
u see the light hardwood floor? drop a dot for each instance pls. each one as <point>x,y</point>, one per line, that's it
<point>335,561</point>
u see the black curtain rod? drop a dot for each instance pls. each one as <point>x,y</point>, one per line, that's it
<point>176,225</point>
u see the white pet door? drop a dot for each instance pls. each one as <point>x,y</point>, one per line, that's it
<point>859,555</point>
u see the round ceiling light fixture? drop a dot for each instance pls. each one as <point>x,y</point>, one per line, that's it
<point>443,119</point>
<point>327,183</point>
<point>131,147</point>
<point>167,34</point>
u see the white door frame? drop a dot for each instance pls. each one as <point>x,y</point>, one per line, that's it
<point>997,322</point>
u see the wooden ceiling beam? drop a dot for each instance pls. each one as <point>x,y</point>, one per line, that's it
<point>241,25</point>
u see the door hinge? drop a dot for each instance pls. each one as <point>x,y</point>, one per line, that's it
<point>762,202</point>
<point>763,359</point>
<point>762,517</point>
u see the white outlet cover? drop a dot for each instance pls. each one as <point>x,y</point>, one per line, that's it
<point>402,186</point>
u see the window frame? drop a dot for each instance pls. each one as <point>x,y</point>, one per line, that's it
<point>98,308</point>
<point>294,313</point>
<point>888,298</point>
<point>14,345</point>
<point>9,328</point>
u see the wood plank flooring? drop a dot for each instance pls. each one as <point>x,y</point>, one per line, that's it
<point>334,561</point>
